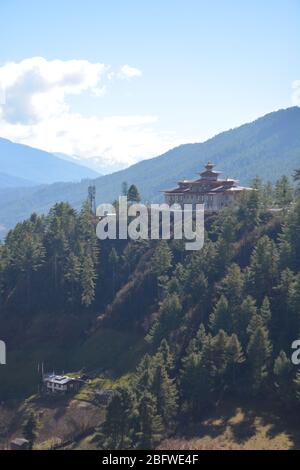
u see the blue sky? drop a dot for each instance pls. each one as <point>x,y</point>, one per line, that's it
<point>194,68</point>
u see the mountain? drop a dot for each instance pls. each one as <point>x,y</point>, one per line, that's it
<point>9,181</point>
<point>269,147</point>
<point>37,166</point>
<point>97,164</point>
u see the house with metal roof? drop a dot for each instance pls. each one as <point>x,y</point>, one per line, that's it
<point>60,384</point>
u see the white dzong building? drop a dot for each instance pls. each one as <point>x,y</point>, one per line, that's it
<point>215,193</point>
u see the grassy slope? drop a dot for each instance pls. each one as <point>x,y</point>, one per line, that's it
<point>104,350</point>
<point>241,426</point>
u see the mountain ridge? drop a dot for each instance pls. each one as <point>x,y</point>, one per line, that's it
<point>268,146</point>
<point>37,166</point>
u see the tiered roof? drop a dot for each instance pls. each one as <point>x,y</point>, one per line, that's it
<point>208,183</point>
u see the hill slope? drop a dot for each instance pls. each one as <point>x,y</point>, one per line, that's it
<point>21,161</point>
<point>269,146</point>
<point>9,181</point>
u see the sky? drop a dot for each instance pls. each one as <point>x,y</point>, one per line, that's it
<point>114,82</point>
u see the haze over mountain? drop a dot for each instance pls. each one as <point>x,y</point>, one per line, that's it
<point>268,147</point>
<point>97,164</point>
<point>9,181</point>
<point>21,165</point>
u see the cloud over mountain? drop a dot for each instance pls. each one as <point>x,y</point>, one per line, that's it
<point>36,111</point>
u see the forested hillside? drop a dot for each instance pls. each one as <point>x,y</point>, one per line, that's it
<point>188,330</point>
<point>268,147</point>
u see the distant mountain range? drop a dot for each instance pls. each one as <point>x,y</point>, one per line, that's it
<point>21,165</point>
<point>97,164</point>
<point>268,147</point>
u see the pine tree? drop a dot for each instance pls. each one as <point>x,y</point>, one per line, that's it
<point>117,429</point>
<point>283,192</point>
<point>165,391</point>
<point>296,383</point>
<point>235,358</point>
<point>294,303</point>
<point>143,378</point>
<point>290,238</point>
<point>133,194</point>
<point>220,318</point>
<point>259,351</point>
<point>30,429</point>
<point>232,286</point>
<point>263,269</point>
<point>197,342</point>
<point>265,311</point>
<point>196,384</point>
<point>113,260</point>
<point>170,313</point>
<point>72,270</point>
<point>242,318</point>
<point>161,261</point>
<point>164,354</point>
<point>249,209</point>
<point>88,281</point>
<point>150,427</point>
<point>283,377</point>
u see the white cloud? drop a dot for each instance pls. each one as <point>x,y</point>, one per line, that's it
<point>129,72</point>
<point>35,88</point>
<point>296,93</point>
<point>35,112</point>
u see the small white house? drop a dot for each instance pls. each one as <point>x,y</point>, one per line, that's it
<point>60,384</point>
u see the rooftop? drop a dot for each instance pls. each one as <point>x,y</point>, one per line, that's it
<point>60,379</point>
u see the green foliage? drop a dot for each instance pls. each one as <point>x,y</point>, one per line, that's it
<point>283,377</point>
<point>161,261</point>
<point>117,430</point>
<point>263,268</point>
<point>30,429</point>
<point>220,318</point>
<point>283,192</point>
<point>150,427</point>
<point>170,313</point>
<point>218,322</point>
<point>259,351</point>
<point>133,194</point>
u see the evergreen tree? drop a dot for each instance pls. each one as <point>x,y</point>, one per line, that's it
<point>283,377</point>
<point>113,260</point>
<point>133,194</point>
<point>232,287</point>
<point>249,209</point>
<point>161,261</point>
<point>150,427</point>
<point>88,281</point>
<point>165,391</point>
<point>265,311</point>
<point>30,429</point>
<point>259,351</point>
<point>235,358</point>
<point>117,430</point>
<point>196,384</point>
<point>72,270</point>
<point>170,313</point>
<point>220,318</point>
<point>283,192</point>
<point>243,317</point>
<point>290,238</point>
<point>165,356</point>
<point>263,269</point>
